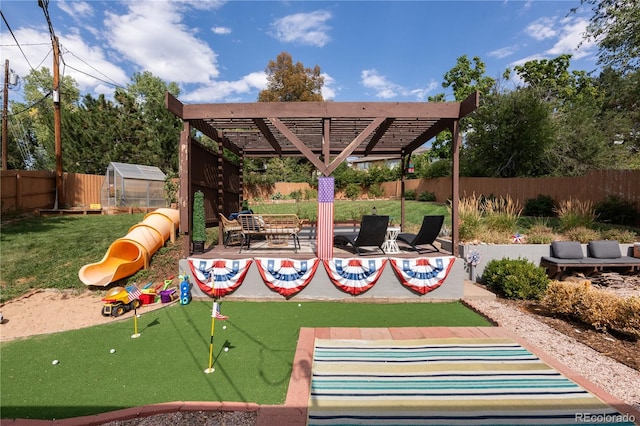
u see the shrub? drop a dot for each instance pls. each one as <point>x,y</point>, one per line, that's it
<point>199,231</point>
<point>296,195</point>
<point>597,308</point>
<point>352,191</point>
<point>410,194</point>
<point>620,235</point>
<point>310,194</point>
<point>541,233</point>
<point>427,196</point>
<point>582,234</point>
<point>575,213</point>
<point>470,214</point>
<point>541,206</point>
<point>375,190</point>
<point>277,196</point>
<point>515,278</point>
<point>615,209</point>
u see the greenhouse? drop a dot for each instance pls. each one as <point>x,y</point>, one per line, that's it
<point>133,185</point>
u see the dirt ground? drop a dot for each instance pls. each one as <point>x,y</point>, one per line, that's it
<point>50,311</point>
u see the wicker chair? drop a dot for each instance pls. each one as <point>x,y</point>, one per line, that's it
<point>230,229</point>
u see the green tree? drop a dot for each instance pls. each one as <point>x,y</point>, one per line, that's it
<point>512,136</point>
<point>615,25</point>
<point>161,128</point>
<point>344,175</point>
<point>289,82</point>
<point>38,88</point>
<point>621,113</point>
<point>576,102</point>
<point>464,78</point>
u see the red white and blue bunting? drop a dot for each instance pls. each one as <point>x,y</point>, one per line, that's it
<point>354,275</point>
<point>423,274</point>
<point>225,274</point>
<point>287,276</point>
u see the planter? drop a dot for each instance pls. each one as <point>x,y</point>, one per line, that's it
<point>198,246</point>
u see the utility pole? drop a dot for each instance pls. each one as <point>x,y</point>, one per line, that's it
<point>57,122</point>
<point>44,4</point>
<point>5,114</point>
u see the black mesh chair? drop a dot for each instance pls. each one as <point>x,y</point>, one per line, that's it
<point>373,230</point>
<point>427,234</point>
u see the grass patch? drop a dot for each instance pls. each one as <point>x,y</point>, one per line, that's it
<point>347,210</point>
<point>48,252</point>
<point>167,362</point>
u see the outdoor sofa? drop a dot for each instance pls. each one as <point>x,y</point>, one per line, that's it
<point>276,228</point>
<point>602,254</point>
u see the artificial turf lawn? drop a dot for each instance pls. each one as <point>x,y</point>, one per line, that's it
<point>167,362</point>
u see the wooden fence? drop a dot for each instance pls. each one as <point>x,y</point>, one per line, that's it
<point>30,190</point>
<point>594,186</point>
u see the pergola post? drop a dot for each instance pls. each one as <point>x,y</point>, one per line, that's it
<point>184,176</point>
<point>455,187</point>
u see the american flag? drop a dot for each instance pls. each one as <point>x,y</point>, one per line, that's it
<point>216,312</point>
<point>134,293</point>
<point>325,217</point>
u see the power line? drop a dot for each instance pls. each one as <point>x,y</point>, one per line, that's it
<point>112,83</point>
<point>33,105</point>
<point>16,40</point>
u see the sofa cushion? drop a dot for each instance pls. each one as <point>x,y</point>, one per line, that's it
<point>567,250</point>
<point>604,249</point>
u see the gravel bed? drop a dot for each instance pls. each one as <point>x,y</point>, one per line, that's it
<point>615,378</point>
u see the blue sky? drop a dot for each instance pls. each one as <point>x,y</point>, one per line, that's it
<point>217,51</point>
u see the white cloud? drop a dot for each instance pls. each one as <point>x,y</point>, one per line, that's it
<point>77,9</point>
<point>542,29</point>
<point>221,30</point>
<point>153,37</point>
<point>386,89</point>
<point>201,4</point>
<point>303,28</point>
<point>328,90</point>
<point>503,52</point>
<point>422,94</point>
<point>217,91</point>
<point>571,39</point>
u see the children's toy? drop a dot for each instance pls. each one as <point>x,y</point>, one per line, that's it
<point>118,301</point>
<point>169,295</point>
<point>185,289</point>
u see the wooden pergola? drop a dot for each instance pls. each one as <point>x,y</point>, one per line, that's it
<point>325,133</point>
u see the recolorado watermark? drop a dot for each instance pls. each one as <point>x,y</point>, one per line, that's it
<point>604,418</point>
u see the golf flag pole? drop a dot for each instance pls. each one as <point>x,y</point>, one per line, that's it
<point>135,334</point>
<point>213,325</point>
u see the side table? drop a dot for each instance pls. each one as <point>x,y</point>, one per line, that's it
<point>390,244</point>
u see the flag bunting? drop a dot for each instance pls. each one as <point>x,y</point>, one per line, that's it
<point>219,277</point>
<point>354,275</point>
<point>423,274</point>
<point>287,276</point>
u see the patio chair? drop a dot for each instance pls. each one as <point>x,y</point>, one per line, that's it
<point>427,234</point>
<point>373,230</point>
<point>230,228</point>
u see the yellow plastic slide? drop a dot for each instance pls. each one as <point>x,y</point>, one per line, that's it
<point>127,255</point>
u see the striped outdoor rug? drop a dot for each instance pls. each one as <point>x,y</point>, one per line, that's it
<point>451,381</point>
